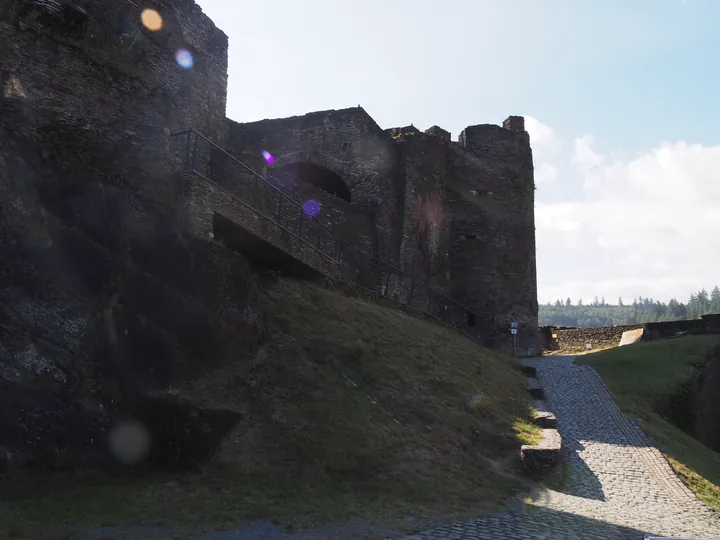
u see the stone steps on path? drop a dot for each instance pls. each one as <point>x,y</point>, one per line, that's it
<point>543,457</point>
<point>543,416</point>
<point>535,388</point>
<point>529,371</point>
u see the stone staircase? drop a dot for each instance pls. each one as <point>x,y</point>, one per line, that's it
<point>544,456</point>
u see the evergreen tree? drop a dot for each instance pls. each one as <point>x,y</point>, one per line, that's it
<point>641,311</point>
<point>703,301</point>
<point>715,300</point>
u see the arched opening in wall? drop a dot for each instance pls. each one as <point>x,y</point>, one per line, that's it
<point>319,177</point>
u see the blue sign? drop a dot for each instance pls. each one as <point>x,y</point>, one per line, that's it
<point>513,325</point>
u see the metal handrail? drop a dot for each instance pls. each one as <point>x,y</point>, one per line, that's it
<point>256,174</point>
<point>268,218</point>
<point>190,161</point>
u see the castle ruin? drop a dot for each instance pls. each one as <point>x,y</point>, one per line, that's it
<point>133,211</point>
<point>452,220</point>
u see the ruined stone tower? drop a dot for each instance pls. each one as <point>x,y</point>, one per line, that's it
<point>493,251</point>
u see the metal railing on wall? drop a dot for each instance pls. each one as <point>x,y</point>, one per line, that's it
<point>264,195</point>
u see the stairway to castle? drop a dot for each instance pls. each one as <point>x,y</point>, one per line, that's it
<point>228,201</point>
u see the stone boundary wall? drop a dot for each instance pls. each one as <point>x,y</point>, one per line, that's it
<point>658,330</point>
<point>569,338</point>
<point>578,338</point>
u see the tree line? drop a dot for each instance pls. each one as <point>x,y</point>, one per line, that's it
<point>641,310</point>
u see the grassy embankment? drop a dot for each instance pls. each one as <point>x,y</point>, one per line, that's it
<point>353,410</point>
<point>641,377</point>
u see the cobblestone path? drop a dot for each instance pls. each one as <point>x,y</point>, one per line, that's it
<point>619,486</point>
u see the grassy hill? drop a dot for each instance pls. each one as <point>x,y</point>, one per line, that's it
<point>352,410</point>
<point>641,377</point>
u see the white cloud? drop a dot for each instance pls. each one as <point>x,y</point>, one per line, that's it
<point>583,154</point>
<point>545,174</point>
<point>542,137</point>
<point>545,145</point>
<point>647,226</point>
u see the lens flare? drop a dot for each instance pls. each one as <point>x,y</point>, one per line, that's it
<point>129,442</point>
<point>184,58</point>
<point>311,208</point>
<point>268,157</point>
<point>151,20</point>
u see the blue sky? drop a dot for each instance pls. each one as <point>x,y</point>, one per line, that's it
<point>621,96</point>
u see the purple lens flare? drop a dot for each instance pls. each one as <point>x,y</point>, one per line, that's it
<point>311,208</point>
<point>184,58</point>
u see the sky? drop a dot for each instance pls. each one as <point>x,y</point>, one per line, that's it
<point>621,100</point>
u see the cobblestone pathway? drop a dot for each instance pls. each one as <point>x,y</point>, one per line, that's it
<point>619,487</point>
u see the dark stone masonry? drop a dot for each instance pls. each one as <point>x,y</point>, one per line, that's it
<point>458,216</point>
<point>126,271</point>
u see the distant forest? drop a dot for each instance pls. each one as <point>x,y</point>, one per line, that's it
<point>641,310</point>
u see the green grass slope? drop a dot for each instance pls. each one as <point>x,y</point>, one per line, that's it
<point>353,410</point>
<point>641,376</point>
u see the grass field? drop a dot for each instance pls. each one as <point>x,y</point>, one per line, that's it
<point>640,376</point>
<point>353,410</point>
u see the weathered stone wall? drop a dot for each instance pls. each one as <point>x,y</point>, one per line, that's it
<point>658,330</point>
<point>114,81</point>
<point>348,143</point>
<point>105,292</point>
<point>456,216</point>
<point>492,253</point>
<point>113,282</point>
<point>606,336</point>
<point>204,201</point>
<point>422,173</point>
<point>286,195</point>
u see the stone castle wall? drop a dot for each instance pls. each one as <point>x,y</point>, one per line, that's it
<point>349,144</point>
<point>105,292</point>
<point>115,279</point>
<point>92,98</point>
<point>458,216</point>
<point>112,82</point>
<point>575,339</point>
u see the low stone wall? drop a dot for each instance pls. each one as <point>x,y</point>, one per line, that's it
<point>707,324</point>
<point>563,338</point>
<point>578,338</point>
